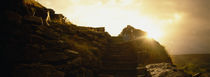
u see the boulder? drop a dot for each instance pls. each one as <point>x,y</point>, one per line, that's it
<point>165,70</point>
<point>33,20</point>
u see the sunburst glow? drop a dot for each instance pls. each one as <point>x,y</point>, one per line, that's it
<point>164,20</point>
<point>114,15</point>
<point>154,34</point>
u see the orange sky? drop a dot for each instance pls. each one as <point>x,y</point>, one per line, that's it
<point>182,26</point>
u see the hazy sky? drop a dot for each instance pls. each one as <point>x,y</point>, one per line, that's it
<point>182,26</point>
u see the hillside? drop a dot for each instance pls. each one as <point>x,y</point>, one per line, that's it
<point>36,42</point>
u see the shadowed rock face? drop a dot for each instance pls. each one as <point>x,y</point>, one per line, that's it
<point>32,45</point>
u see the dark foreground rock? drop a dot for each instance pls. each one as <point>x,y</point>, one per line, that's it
<point>36,42</point>
<point>37,70</point>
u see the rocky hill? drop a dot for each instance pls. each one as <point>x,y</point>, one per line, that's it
<point>36,42</point>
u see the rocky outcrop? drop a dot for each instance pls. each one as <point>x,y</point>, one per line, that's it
<point>130,33</point>
<point>165,70</point>
<point>123,56</point>
<point>36,42</point>
<point>161,70</point>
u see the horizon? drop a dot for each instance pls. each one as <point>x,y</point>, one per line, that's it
<point>181,26</point>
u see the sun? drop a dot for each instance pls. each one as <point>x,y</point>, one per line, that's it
<point>149,36</point>
<point>154,34</point>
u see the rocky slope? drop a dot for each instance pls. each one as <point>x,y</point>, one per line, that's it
<point>36,42</point>
<point>165,70</point>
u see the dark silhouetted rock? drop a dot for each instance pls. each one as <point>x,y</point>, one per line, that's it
<point>12,16</point>
<point>36,42</point>
<point>37,49</point>
<point>37,70</point>
<point>33,20</point>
